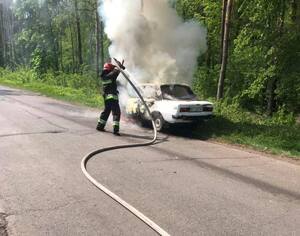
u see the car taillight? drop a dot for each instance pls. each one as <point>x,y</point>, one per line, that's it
<point>184,109</point>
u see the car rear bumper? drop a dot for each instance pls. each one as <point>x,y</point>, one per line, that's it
<point>185,118</point>
<point>191,117</point>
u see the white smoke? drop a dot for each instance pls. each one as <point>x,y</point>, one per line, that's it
<point>157,46</point>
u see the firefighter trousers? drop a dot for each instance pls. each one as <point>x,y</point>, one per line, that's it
<point>111,106</point>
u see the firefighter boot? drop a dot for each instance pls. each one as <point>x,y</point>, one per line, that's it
<point>100,127</point>
<point>116,131</point>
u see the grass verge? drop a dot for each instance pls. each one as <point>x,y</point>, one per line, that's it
<point>80,96</point>
<point>234,126</point>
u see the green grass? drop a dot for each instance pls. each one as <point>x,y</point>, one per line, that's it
<point>23,80</point>
<point>259,132</point>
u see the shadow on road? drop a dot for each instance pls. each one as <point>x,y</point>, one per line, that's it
<point>283,137</point>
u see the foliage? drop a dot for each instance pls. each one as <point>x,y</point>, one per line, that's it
<point>46,34</point>
<point>264,52</point>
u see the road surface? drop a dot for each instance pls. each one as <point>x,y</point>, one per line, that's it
<point>186,186</point>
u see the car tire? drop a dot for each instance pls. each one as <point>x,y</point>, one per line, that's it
<point>159,122</point>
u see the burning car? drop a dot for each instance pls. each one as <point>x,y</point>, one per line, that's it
<point>169,104</point>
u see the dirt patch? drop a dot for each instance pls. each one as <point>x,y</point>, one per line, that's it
<point>3,225</point>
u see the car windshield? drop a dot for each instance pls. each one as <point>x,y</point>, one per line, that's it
<point>181,92</point>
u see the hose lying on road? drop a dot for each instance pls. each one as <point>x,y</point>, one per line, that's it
<point>85,160</point>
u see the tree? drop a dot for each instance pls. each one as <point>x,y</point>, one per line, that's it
<point>224,11</point>
<point>79,42</point>
<point>97,41</point>
<point>2,46</point>
<point>225,50</point>
<point>6,32</point>
<point>53,37</point>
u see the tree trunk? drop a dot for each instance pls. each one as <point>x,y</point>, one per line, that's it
<point>6,36</point>
<point>208,55</point>
<point>272,83</point>
<point>6,53</point>
<point>271,87</point>
<point>97,43</point>
<point>61,52</point>
<point>73,48</point>
<point>220,92</point>
<point>223,27</point>
<point>60,36</point>
<point>80,60</point>
<point>55,48</point>
<point>102,42</point>
<point>295,14</point>
<point>12,43</point>
<point>1,37</point>
<point>53,39</point>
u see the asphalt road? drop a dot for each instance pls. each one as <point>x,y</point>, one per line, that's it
<point>186,186</point>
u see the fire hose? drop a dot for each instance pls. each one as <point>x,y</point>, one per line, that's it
<point>115,197</point>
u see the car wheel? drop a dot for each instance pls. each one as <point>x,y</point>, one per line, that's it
<point>159,122</point>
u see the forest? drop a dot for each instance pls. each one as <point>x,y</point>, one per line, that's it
<point>264,52</point>
<point>263,67</point>
<point>252,61</point>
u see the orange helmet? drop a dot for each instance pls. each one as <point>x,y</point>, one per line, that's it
<point>108,66</point>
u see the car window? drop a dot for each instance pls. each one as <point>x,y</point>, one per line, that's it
<point>181,92</point>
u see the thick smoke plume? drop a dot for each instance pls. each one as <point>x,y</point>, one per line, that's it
<point>157,46</point>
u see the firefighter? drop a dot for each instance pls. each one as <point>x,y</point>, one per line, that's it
<point>109,77</point>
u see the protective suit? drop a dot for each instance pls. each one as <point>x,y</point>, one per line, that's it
<point>109,77</point>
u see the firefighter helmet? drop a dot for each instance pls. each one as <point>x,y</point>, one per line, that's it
<point>108,66</point>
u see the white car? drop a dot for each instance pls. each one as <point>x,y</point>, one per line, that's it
<point>169,104</point>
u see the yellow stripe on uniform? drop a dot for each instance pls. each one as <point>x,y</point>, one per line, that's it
<point>116,123</point>
<point>111,96</point>
<point>102,121</point>
<point>105,82</point>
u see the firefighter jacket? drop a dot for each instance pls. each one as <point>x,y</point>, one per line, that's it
<point>109,82</point>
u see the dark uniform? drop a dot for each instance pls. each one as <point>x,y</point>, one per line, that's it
<point>111,100</point>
